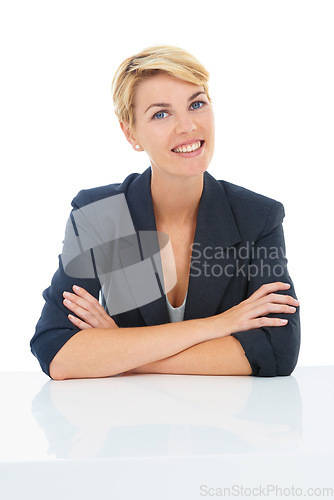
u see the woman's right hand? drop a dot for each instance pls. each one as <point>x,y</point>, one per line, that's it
<point>251,313</point>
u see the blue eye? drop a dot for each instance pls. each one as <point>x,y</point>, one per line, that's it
<point>197,104</point>
<point>159,115</point>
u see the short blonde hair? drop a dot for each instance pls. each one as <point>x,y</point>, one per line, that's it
<point>160,58</point>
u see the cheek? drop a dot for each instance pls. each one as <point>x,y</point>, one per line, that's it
<point>157,140</point>
<point>210,125</point>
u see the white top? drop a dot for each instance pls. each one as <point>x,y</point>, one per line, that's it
<point>176,313</point>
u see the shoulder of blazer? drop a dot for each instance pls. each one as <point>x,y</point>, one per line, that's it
<point>86,196</point>
<point>254,213</point>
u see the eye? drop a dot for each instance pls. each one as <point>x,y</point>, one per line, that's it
<point>197,104</point>
<point>159,115</point>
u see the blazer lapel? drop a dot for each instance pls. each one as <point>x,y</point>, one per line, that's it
<point>212,265</point>
<point>140,204</point>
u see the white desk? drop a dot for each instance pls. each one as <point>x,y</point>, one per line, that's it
<point>166,436</point>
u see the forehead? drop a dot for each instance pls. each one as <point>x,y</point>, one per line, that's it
<point>163,88</point>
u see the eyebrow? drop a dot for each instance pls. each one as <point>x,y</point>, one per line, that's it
<point>166,105</point>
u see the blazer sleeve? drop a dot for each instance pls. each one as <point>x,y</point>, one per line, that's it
<point>53,328</point>
<point>271,351</point>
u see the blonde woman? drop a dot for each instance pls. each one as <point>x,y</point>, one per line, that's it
<point>171,271</point>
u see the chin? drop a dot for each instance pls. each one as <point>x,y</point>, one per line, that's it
<point>193,170</point>
<point>199,166</point>
<point>185,169</point>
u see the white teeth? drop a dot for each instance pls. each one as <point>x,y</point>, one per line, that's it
<point>189,148</point>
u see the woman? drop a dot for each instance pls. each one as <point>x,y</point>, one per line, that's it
<point>221,302</point>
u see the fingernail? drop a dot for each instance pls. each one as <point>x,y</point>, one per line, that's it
<point>76,287</point>
<point>66,301</point>
<point>283,321</point>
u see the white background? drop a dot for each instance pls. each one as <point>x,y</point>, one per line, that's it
<point>272,81</point>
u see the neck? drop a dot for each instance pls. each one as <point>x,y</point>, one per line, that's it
<point>176,199</point>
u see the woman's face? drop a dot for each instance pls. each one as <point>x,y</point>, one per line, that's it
<point>174,124</point>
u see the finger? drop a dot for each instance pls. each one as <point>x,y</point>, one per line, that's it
<point>91,319</point>
<point>78,322</point>
<point>86,296</point>
<point>270,308</point>
<point>268,288</point>
<point>253,307</point>
<point>94,308</point>
<point>277,298</point>
<point>268,322</point>
<point>82,313</point>
<point>81,292</point>
<point>83,303</point>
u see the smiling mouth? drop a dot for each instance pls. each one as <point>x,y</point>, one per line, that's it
<point>190,148</point>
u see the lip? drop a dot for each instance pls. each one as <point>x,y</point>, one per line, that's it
<point>191,141</point>
<point>193,154</point>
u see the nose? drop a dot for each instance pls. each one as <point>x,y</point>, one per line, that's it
<point>184,124</point>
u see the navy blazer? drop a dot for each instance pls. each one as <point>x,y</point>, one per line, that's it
<point>238,246</point>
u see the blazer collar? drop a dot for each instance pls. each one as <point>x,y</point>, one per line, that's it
<point>216,230</point>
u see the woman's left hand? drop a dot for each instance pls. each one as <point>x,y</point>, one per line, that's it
<point>88,309</point>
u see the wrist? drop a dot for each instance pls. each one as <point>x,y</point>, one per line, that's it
<point>215,327</point>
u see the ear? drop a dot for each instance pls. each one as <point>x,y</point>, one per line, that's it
<point>129,135</point>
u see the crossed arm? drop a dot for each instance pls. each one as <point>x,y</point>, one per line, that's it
<point>202,346</point>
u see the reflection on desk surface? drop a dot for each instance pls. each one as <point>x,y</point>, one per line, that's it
<point>169,415</point>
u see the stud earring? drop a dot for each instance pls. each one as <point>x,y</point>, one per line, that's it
<point>137,146</point>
